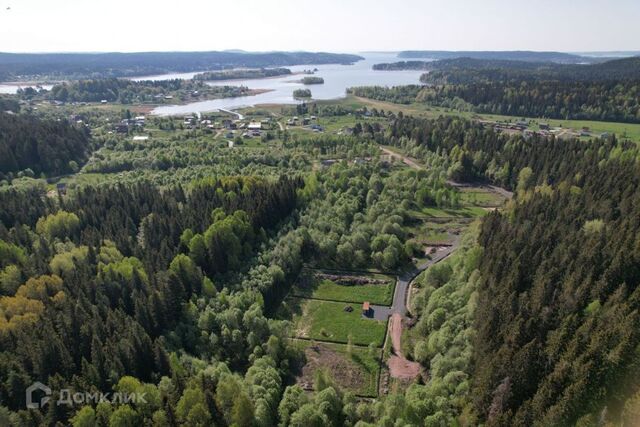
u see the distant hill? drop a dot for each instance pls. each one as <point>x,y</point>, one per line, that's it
<point>470,70</point>
<point>403,65</point>
<point>516,55</point>
<point>21,66</point>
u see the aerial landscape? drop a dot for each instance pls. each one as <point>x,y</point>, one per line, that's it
<point>266,213</point>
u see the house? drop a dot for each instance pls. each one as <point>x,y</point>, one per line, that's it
<point>544,126</point>
<point>140,138</point>
<point>104,101</point>
<point>254,126</point>
<point>366,309</point>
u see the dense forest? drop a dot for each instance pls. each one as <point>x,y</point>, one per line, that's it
<point>558,285</point>
<point>33,146</point>
<point>21,66</point>
<point>468,70</point>
<point>9,104</point>
<point>615,101</point>
<point>609,91</point>
<point>242,74</point>
<point>406,94</point>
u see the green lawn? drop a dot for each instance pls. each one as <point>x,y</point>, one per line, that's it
<point>480,198</point>
<point>324,289</point>
<point>464,212</point>
<point>623,130</point>
<point>361,360</point>
<point>327,321</point>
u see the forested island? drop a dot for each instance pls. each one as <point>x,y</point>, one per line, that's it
<point>127,91</point>
<point>402,65</point>
<point>302,93</point>
<point>311,80</point>
<point>242,74</point>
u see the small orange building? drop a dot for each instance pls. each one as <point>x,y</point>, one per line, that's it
<point>366,308</point>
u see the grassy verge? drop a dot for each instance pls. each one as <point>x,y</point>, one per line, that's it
<point>327,321</point>
<point>324,289</point>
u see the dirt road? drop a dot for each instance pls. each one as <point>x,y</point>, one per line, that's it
<point>399,366</point>
<point>415,165</point>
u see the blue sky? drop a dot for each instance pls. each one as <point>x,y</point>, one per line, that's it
<point>328,25</point>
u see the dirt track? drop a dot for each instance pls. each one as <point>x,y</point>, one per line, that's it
<point>399,366</point>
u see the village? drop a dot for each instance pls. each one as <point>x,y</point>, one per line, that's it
<point>530,128</point>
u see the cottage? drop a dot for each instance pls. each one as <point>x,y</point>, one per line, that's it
<point>254,126</point>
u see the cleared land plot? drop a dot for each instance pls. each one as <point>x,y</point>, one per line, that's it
<point>475,197</point>
<point>357,371</point>
<point>463,212</point>
<point>328,321</point>
<point>357,288</point>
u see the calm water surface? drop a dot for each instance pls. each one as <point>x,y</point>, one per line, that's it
<point>337,78</point>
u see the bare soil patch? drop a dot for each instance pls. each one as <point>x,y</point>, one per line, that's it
<point>399,366</point>
<point>345,372</point>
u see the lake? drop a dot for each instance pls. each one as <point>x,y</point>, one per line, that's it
<point>337,78</point>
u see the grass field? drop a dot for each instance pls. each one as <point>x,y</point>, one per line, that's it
<point>356,371</point>
<point>324,289</point>
<point>327,321</point>
<point>475,197</point>
<point>623,130</point>
<point>464,212</point>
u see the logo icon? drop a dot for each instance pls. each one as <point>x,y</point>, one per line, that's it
<point>37,386</point>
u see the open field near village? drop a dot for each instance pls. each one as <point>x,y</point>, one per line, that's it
<point>354,287</point>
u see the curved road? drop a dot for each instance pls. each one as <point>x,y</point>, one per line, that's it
<point>399,305</point>
<point>399,366</point>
